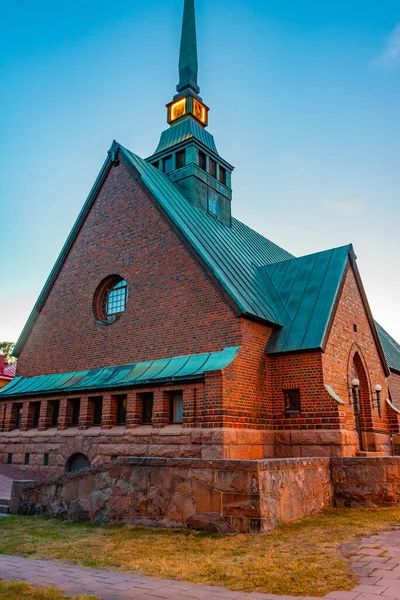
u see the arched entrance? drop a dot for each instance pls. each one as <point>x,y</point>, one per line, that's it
<point>77,463</point>
<point>361,401</point>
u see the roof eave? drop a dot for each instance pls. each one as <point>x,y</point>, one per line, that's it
<point>78,390</point>
<point>290,352</point>
<point>367,307</point>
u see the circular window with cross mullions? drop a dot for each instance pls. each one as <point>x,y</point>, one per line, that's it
<point>110,299</point>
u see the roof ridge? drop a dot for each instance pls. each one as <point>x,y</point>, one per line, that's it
<point>269,265</point>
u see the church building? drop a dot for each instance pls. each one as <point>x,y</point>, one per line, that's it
<point>168,328</point>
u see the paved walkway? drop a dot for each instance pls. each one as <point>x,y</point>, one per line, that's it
<point>375,559</point>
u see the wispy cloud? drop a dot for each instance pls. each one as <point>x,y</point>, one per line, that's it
<point>351,205</point>
<point>390,56</point>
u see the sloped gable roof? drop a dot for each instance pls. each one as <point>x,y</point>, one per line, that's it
<point>233,254</point>
<point>391,349</point>
<point>263,280</point>
<point>307,288</point>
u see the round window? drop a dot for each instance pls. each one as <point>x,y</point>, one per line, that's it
<point>110,299</point>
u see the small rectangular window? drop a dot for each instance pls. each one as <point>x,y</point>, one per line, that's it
<point>76,409</point>
<point>168,164</point>
<point>292,401</point>
<point>147,409</point>
<point>54,412</point>
<point>18,415</point>
<point>35,414</point>
<point>27,458</point>
<point>222,175</point>
<point>176,407</point>
<point>114,458</point>
<point>122,410</point>
<point>212,167</point>
<point>9,458</point>
<point>46,460</point>
<point>97,410</point>
<point>355,328</point>
<point>202,161</point>
<point>181,159</point>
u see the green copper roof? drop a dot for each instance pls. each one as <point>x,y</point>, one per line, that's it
<point>391,349</point>
<point>188,62</point>
<point>184,131</point>
<point>307,289</point>
<point>232,253</point>
<point>170,369</point>
<point>263,280</point>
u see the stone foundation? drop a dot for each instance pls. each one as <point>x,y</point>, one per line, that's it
<point>101,446</point>
<point>174,441</point>
<point>222,495</point>
<point>315,442</point>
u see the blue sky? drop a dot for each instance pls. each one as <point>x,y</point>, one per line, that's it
<point>304,98</point>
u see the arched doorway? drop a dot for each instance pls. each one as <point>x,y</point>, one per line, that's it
<point>361,401</point>
<point>77,463</point>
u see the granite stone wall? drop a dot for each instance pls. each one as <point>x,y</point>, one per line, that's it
<point>366,482</point>
<point>222,495</point>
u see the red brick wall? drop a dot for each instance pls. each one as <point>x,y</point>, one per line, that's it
<point>304,372</point>
<point>246,381</point>
<point>343,343</point>
<point>173,309</point>
<point>394,387</point>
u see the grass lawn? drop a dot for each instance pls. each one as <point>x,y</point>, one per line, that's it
<point>22,591</point>
<point>304,558</point>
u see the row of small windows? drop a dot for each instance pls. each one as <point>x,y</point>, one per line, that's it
<point>215,170</point>
<point>95,414</point>
<point>27,459</point>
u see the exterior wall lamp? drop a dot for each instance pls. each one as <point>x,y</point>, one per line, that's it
<point>354,394</point>
<point>376,399</point>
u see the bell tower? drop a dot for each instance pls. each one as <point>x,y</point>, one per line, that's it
<point>187,152</point>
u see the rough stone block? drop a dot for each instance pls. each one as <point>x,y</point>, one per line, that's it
<point>240,505</point>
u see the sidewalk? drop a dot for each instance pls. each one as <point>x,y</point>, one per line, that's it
<point>376,560</point>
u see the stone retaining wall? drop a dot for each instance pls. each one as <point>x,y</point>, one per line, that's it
<point>227,496</point>
<point>221,495</point>
<point>366,482</point>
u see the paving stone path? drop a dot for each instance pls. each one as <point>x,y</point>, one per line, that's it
<point>376,560</point>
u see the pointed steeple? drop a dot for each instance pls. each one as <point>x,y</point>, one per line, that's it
<point>187,152</point>
<point>188,62</point>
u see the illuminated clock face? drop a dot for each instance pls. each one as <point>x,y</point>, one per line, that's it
<point>199,111</point>
<point>178,109</point>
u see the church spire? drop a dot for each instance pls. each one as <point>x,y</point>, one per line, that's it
<point>187,103</point>
<point>188,63</point>
<point>187,152</point>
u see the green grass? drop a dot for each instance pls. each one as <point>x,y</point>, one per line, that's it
<point>23,591</point>
<point>304,558</point>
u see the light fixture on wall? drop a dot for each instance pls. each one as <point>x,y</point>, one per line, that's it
<point>376,398</point>
<point>354,394</point>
